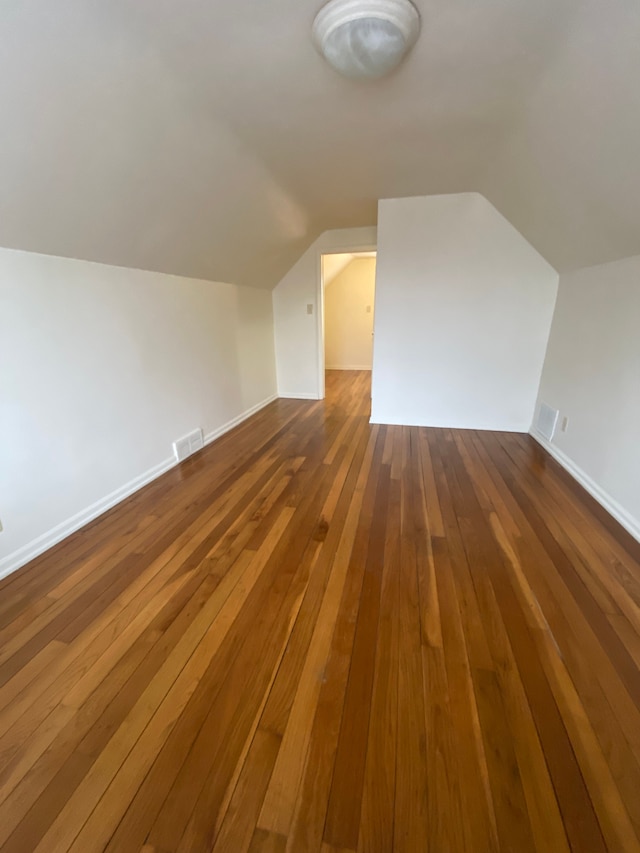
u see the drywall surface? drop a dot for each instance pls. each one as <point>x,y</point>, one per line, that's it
<point>592,375</point>
<point>463,312</point>
<point>332,265</point>
<point>102,368</point>
<point>212,141</point>
<point>298,334</point>
<point>348,316</point>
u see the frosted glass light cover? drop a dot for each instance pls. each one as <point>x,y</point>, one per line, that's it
<point>367,47</point>
<point>365,39</point>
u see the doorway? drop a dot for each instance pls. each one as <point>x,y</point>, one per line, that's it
<point>348,282</point>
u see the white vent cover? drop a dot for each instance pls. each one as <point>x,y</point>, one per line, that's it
<point>189,444</point>
<point>547,421</point>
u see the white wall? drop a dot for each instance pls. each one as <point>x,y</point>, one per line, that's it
<point>463,312</point>
<point>102,368</point>
<point>592,375</point>
<point>348,316</point>
<point>298,335</point>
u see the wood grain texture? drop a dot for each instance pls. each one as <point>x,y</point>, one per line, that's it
<point>321,635</point>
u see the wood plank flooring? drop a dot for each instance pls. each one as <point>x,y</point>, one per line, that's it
<point>321,635</point>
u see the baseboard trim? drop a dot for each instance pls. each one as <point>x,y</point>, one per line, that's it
<point>56,534</point>
<point>287,395</point>
<point>18,558</point>
<point>234,422</point>
<point>630,524</point>
<point>348,367</point>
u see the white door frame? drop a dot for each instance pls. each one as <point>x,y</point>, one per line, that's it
<point>328,250</point>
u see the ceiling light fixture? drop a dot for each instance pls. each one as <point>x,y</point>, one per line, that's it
<point>366,39</point>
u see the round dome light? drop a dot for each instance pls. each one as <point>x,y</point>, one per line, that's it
<point>366,39</point>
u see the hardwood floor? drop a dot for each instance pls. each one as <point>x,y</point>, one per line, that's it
<point>321,635</point>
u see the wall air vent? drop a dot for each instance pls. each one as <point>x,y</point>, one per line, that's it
<point>189,444</point>
<point>547,421</point>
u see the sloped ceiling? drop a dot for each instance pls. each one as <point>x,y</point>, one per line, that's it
<point>208,139</point>
<point>332,266</point>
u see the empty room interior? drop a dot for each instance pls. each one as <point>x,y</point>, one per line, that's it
<point>320,426</point>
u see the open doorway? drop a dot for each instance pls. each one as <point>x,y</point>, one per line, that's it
<point>348,281</point>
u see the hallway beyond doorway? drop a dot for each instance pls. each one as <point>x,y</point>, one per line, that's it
<point>349,294</point>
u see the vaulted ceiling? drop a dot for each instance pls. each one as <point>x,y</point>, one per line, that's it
<point>208,139</point>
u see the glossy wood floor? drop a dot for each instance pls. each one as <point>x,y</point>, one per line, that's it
<point>319,635</point>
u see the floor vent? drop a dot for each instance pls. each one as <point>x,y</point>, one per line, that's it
<point>547,421</point>
<point>189,444</point>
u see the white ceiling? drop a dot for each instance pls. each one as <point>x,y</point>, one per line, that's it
<point>210,140</point>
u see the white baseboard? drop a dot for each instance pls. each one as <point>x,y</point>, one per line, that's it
<point>630,524</point>
<point>216,433</point>
<point>347,367</point>
<point>287,395</point>
<point>56,534</point>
